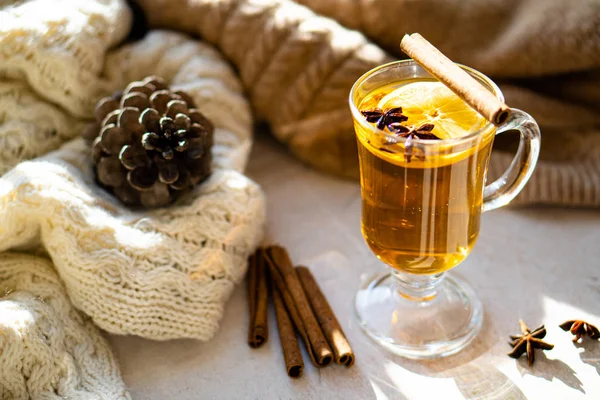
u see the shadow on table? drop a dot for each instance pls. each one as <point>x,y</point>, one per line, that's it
<point>549,370</point>
<point>482,343</point>
<point>477,380</point>
<point>465,372</point>
<point>484,381</point>
<point>569,247</point>
<point>590,354</point>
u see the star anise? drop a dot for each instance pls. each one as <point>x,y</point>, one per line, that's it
<point>528,341</point>
<point>410,133</point>
<point>580,328</point>
<point>384,118</point>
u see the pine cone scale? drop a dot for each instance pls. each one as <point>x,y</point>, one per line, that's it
<point>168,171</point>
<point>133,157</point>
<point>112,139</point>
<point>195,148</point>
<point>159,100</point>
<point>150,118</point>
<point>157,196</point>
<point>175,107</point>
<point>111,118</point>
<point>183,180</point>
<point>135,100</point>
<point>142,178</point>
<point>139,87</point>
<point>109,171</point>
<point>129,118</point>
<point>104,107</point>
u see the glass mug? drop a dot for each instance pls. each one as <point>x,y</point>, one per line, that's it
<point>421,216</point>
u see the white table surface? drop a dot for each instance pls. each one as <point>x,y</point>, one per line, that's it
<point>542,265</point>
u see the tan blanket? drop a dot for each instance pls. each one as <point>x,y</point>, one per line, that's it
<point>298,68</point>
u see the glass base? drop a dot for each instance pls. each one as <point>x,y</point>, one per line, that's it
<point>439,324</point>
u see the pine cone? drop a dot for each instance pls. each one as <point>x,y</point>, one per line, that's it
<point>149,143</point>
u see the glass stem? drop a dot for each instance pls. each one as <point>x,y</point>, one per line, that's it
<point>417,287</point>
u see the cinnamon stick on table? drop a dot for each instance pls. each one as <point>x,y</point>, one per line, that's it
<point>457,80</point>
<point>289,343</point>
<point>327,320</point>
<point>258,297</point>
<point>285,279</point>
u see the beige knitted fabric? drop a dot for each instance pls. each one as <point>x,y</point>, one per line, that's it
<point>298,68</point>
<point>48,350</point>
<point>160,274</point>
<point>51,56</point>
<point>502,38</point>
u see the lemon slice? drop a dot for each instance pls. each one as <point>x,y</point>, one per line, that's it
<point>432,102</point>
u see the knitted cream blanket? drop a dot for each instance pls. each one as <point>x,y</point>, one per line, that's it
<point>160,274</point>
<point>48,350</point>
<point>298,68</point>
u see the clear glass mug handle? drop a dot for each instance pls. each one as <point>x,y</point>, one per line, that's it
<point>500,192</point>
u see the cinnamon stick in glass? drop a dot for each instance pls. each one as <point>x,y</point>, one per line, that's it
<point>329,324</point>
<point>285,279</point>
<point>457,80</point>
<point>289,343</point>
<point>258,298</point>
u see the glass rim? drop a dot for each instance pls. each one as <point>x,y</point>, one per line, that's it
<point>395,139</point>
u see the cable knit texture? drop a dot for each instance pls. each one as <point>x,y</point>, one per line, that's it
<point>160,274</point>
<point>52,54</point>
<point>509,38</point>
<point>298,68</point>
<point>48,350</point>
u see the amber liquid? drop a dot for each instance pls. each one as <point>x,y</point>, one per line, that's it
<point>422,216</point>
